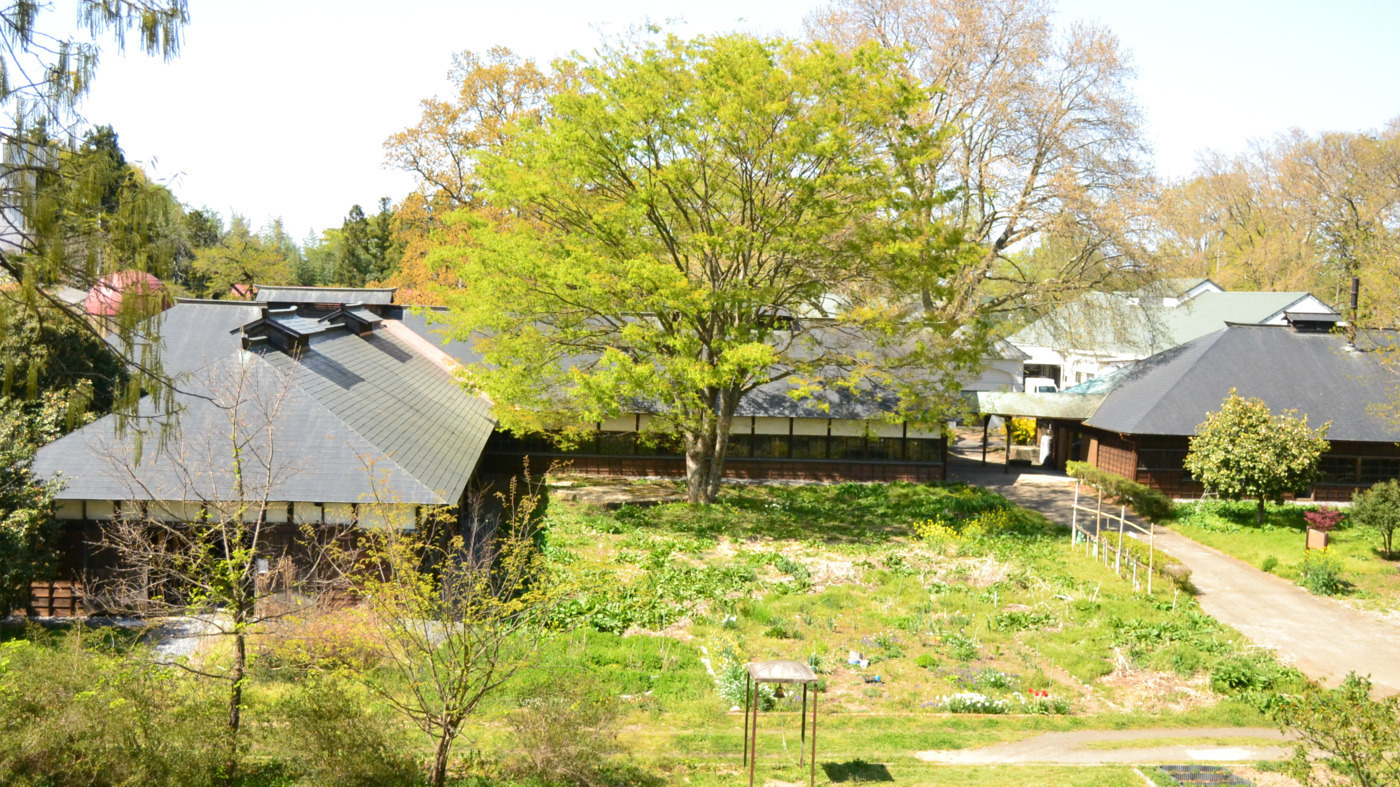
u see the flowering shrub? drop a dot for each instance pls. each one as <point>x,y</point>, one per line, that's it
<point>971,702</point>
<point>1042,703</point>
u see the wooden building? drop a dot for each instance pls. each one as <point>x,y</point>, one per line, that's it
<point>1138,422</point>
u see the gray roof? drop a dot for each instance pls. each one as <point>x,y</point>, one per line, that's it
<point>1126,324</point>
<point>773,400</point>
<point>1064,405</point>
<point>1317,374</point>
<point>268,293</point>
<point>356,415</point>
<point>195,333</point>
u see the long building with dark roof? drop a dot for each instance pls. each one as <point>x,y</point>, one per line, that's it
<point>1138,422</point>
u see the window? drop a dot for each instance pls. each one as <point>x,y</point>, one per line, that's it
<point>809,447</point>
<point>1373,470</point>
<point>920,449</point>
<point>1338,469</point>
<point>617,443</point>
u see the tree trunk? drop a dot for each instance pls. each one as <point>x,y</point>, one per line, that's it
<point>1259,514</point>
<point>235,695</point>
<point>438,777</point>
<point>705,450</point>
<point>697,467</point>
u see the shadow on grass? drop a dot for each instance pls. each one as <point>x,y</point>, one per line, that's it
<point>830,513</point>
<point>856,771</point>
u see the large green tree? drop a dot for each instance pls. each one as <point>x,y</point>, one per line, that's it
<point>1243,450</point>
<point>692,219</point>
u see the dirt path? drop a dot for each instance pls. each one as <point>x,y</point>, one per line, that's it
<point>1125,747</point>
<point>1321,637</point>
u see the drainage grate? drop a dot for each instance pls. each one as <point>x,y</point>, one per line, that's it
<point>1204,774</point>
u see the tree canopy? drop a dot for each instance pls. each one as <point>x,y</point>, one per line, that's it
<point>1243,450</point>
<point>695,218</point>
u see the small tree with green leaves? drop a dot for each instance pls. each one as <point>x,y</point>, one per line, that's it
<point>1377,510</point>
<point>1244,450</point>
<point>1344,729</point>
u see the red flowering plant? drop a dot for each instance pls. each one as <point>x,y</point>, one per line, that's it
<point>1324,519</point>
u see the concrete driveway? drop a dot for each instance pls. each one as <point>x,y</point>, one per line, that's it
<point>1323,638</point>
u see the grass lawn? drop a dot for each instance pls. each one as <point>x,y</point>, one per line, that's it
<point>1230,527</point>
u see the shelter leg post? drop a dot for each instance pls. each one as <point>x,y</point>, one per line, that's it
<point>986,421</point>
<point>802,749</point>
<point>753,731</point>
<point>1006,464</point>
<point>747,683</point>
<point>814,736</point>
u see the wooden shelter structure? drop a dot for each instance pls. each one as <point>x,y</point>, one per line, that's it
<point>779,673</point>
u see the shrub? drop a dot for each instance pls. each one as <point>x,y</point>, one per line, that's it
<point>1322,573</point>
<point>926,660</point>
<point>1022,431</point>
<point>1239,674</point>
<point>1344,728</point>
<point>72,713</point>
<point>325,641</point>
<point>1270,563</point>
<point>1016,620</point>
<point>331,736</point>
<point>1146,502</point>
<point>1325,518</point>
<point>1378,511</point>
<point>565,733</point>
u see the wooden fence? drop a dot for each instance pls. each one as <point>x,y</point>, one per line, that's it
<point>1099,542</point>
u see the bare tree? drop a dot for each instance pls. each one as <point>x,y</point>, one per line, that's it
<point>1044,165</point>
<point>457,616</point>
<point>208,527</point>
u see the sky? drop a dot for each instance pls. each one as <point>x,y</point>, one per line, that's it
<point>279,108</point>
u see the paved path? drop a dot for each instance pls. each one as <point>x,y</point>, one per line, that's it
<point>1075,748</point>
<point>1321,637</point>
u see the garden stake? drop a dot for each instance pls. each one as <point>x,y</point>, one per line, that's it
<point>802,749</point>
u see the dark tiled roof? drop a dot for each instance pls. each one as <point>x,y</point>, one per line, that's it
<point>1317,374</point>
<point>195,333</point>
<point>278,294</point>
<point>318,456</point>
<point>354,401</point>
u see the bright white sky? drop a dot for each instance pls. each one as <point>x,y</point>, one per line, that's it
<point>280,108</point>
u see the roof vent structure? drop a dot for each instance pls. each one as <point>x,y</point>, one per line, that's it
<point>1312,322</point>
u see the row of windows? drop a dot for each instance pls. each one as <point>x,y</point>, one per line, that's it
<point>1348,470</point>
<point>742,446</point>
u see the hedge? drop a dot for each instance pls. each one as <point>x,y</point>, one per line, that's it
<point>1146,502</point>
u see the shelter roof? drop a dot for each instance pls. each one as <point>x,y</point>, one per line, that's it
<point>1063,405</point>
<point>782,672</point>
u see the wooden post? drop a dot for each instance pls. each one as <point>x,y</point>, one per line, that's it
<point>1098,519</point>
<point>986,421</point>
<point>1074,516</point>
<point>1151,553</point>
<point>801,750</point>
<point>1006,466</point>
<point>814,736</point>
<point>1122,524</point>
<point>753,731</point>
<point>748,679</point>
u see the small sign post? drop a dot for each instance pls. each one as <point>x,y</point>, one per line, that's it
<point>1317,539</point>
